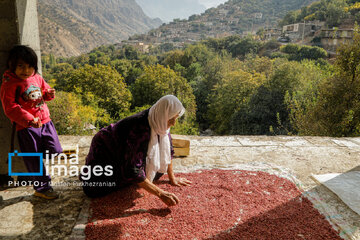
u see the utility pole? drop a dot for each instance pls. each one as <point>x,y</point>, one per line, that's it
<point>303,33</point>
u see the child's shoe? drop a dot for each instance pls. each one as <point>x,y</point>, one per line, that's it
<point>48,194</point>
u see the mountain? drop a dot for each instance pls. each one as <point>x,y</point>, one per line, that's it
<point>167,10</point>
<point>230,18</point>
<point>72,27</point>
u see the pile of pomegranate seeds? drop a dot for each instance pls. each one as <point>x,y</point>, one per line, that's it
<point>220,204</point>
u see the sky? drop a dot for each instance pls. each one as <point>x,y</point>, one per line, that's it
<point>211,3</point>
<point>167,10</point>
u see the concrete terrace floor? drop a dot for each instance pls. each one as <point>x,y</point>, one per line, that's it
<point>23,216</point>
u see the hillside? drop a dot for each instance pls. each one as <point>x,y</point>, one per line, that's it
<point>71,27</point>
<point>334,13</point>
<point>232,17</point>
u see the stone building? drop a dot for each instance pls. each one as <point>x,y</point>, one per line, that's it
<point>298,31</point>
<point>271,33</point>
<point>333,38</point>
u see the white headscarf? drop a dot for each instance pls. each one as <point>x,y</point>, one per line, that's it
<point>159,155</point>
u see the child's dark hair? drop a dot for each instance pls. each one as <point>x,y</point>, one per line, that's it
<point>24,53</point>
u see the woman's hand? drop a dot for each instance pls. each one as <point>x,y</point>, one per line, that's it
<point>174,180</point>
<point>180,182</point>
<point>169,199</point>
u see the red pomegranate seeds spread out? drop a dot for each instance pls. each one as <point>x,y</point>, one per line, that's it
<point>220,204</point>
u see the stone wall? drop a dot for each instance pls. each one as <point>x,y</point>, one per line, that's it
<point>18,25</point>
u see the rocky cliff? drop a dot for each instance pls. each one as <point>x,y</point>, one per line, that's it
<point>71,27</point>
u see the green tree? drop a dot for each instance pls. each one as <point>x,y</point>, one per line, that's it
<point>331,11</point>
<point>56,72</point>
<point>244,46</point>
<point>122,66</point>
<point>98,57</point>
<point>338,107</point>
<point>308,52</point>
<point>165,47</point>
<point>172,58</point>
<point>269,47</point>
<point>158,81</point>
<point>229,95</point>
<point>303,101</point>
<point>290,48</point>
<point>214,71</point>
<point>48,61</point>
<point>299,53</point>
<point>290,18</point>
<point>256,117</point>
<point>258,64</point>
<point>78,61</point>
<point>198,53</point>
<point>99,86</point>
<point>130,52</point>
<point>129,69</point>
<point>335,12</point>
<point>261,33</point>
<point>266,111</point>
<point>69,115</point>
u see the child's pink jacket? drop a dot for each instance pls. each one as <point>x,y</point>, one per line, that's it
<point>30,101</point>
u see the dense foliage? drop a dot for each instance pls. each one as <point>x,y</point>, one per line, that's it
<point>299,53</point>
<point>330,106</point>
<point>231,85</point>
<point>332,12</point>
<point>70,116</point>
<point>157,81</point>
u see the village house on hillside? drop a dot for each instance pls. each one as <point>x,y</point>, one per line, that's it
<point>272,33</point>
<point>329,39</point>
<point>140,46</point>
<point>298,31</point>
<point>332,38</point>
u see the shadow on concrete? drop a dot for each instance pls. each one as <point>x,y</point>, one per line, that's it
<point>34,212</point>
<point>37,218</point>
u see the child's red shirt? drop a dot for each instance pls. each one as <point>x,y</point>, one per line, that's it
<point>29,103</point>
